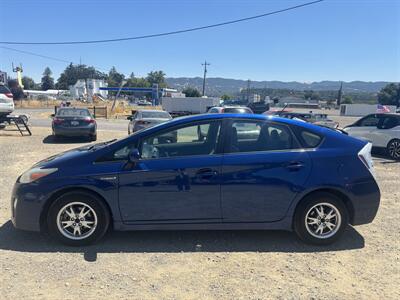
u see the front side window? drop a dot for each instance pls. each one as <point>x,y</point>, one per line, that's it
<point>389,122</point>
<point>250,136</point>
<point>199,139</point>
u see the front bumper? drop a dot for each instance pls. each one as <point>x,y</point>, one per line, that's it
<point>27,202</point>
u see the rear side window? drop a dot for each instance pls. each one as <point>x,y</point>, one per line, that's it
<point>369,121</point>
<point>253,136</point>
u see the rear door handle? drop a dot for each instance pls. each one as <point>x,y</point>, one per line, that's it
<point>294,165</point>
<point>206,173</point>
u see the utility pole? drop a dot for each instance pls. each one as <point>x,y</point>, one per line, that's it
<point>204,78</point>
<point>248,90</point>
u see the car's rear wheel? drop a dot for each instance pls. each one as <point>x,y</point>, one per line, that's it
<point>393,149</point>
<point>78,219</point>
<point>320,219</point>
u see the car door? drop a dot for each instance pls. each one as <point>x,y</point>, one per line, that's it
<point>386,130</point>
<point>262,171</point>
<point>176,180</point>
<point>364,127</point>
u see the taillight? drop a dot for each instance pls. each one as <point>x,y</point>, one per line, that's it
<point>9,95</point>
<point>57,121</point>
<point>365,156</point>
<point>141,122</point>
<point>89,120</point>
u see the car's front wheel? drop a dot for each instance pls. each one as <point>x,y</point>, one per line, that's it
<point>78,218</point>
<point>393,149</point>
<point>320,219</point>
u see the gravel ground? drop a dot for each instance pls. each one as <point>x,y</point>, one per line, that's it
<point>364,264</point>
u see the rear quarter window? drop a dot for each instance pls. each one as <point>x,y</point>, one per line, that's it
<point>308,139</point>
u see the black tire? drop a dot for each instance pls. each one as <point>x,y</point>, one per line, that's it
<point>98,213</point>
<point>393,149</point>
<point>308,207</point>
<point>93,137</point>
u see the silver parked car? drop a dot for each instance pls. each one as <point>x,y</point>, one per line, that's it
<point>146,118</point>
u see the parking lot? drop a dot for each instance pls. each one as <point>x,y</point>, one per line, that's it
<point>194,264</point>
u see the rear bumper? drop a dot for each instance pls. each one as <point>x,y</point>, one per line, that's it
<point>365,199</point>
<point>78,131</point>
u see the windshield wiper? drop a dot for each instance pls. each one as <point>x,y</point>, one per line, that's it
<point>101,144</point>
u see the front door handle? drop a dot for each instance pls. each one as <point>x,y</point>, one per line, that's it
<point>294,165</point>
<point>206,173</point>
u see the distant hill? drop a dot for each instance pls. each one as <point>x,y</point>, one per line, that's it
<point>219,86</point>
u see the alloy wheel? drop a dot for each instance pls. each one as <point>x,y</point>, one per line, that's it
<point>394,149</point>
<point>76,220</point>
<point>323,220</point>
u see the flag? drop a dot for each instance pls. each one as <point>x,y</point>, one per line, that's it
<point>382,108</point>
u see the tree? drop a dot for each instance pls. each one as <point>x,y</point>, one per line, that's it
<point>28,83</point>
<point>115,78</point>
<point>47,80</point>
<point>72,73</point>
<point>347,100</point>
<point>311,95</point>
<point>15,89</point>
<point>191,92</point>
<point>390,95</point>
<point>156,77</point>
<point>225,97</point>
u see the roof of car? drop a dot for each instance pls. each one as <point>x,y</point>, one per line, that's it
<point>73,107</point>
<point>194,118</point>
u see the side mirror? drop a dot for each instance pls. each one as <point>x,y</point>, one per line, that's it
<point>129,118</point>
<point>52,115</point>
<point>134,156</point>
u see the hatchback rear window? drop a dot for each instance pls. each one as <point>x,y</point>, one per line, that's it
<point>239,110</point>
<point>156,114</point>
<point>73,113</point>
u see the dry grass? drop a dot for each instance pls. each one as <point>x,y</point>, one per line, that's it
<point>121,108</point>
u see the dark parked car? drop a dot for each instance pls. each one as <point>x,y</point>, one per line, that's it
<point>282,174</point>
<point>74,122</point>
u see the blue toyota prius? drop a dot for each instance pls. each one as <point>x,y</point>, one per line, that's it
<point>220,171</point>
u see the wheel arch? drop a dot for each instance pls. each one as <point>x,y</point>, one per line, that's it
<point>59,193</point>
<point>339,194</point>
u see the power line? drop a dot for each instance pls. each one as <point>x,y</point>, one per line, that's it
<point>36,54</point>
<point>48,57</point>
<point>164,33</point>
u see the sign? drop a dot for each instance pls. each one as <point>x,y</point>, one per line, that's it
<point>3,77</point>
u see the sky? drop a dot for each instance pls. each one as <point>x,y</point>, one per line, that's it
<point>331,40</point>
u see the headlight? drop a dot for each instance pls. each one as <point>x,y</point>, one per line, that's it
<point>34,174</point>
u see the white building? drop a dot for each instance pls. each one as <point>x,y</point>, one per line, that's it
<point>360,110</point>
<point>86,89</point>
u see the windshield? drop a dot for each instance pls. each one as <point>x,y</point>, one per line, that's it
<point>73,112</point>
<point>156,114</point>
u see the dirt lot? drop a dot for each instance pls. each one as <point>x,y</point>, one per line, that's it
<point>195,265</point>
